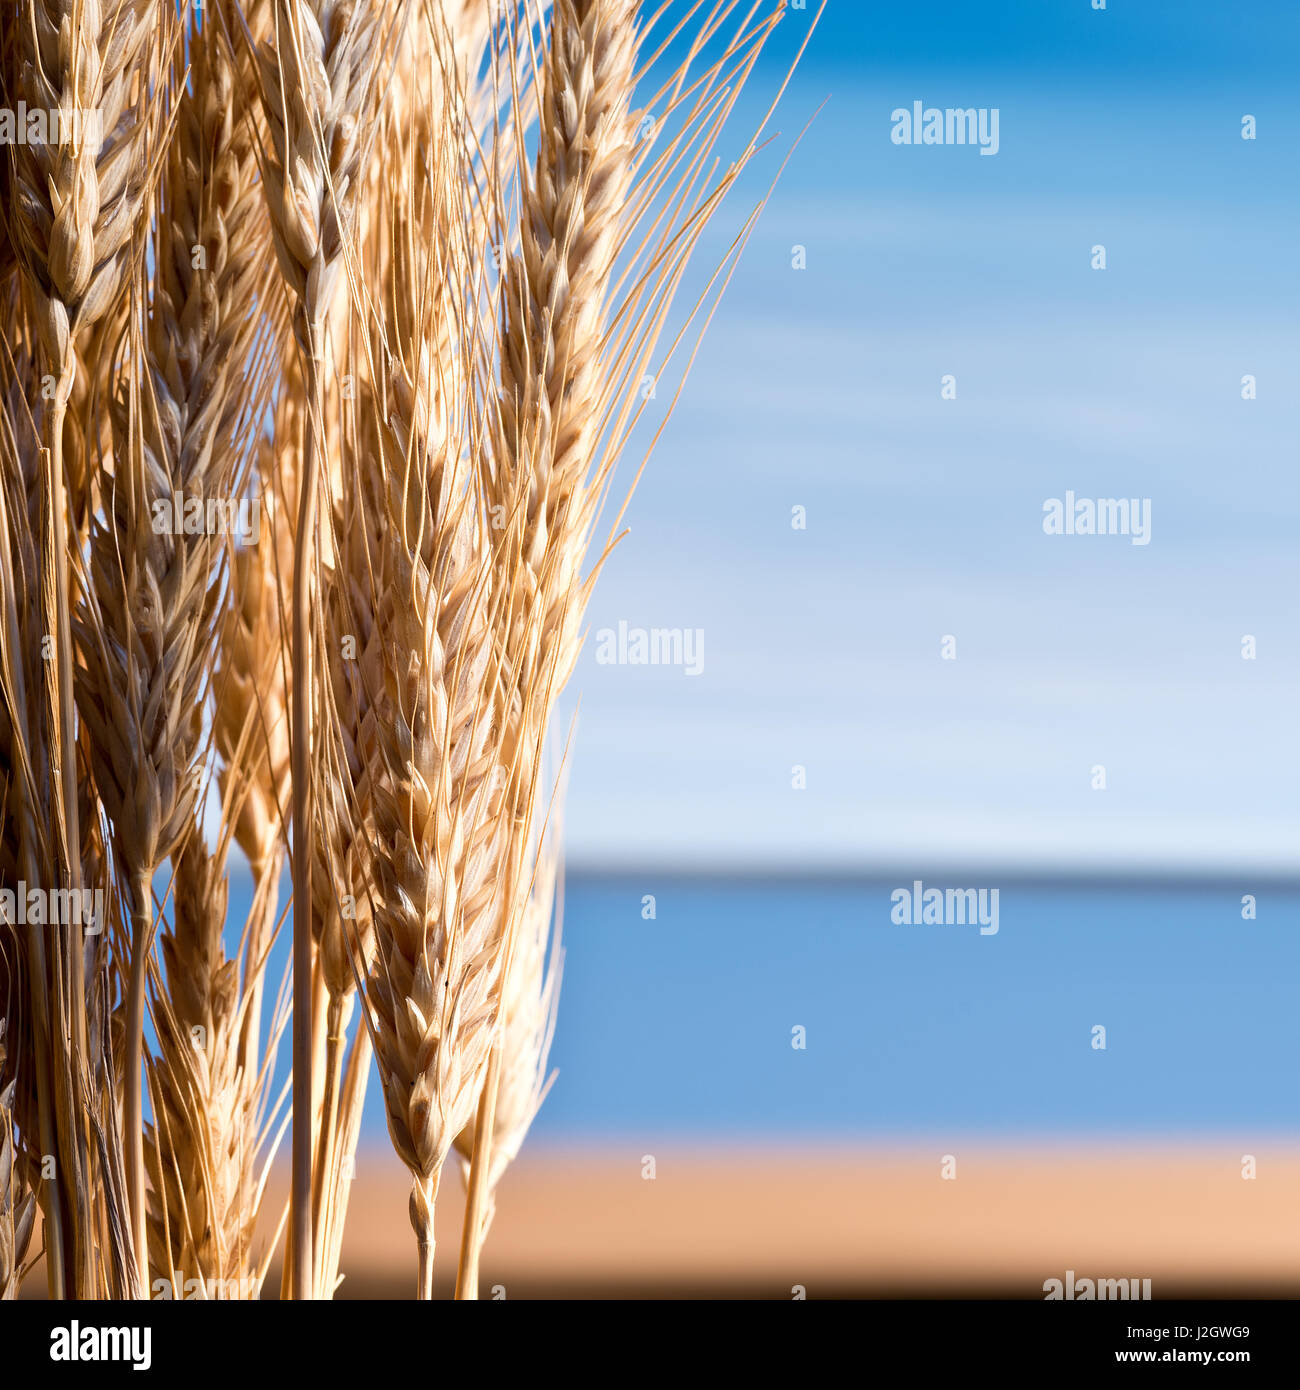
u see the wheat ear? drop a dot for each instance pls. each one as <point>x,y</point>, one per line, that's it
<point>213,1112</point>
<point>571,348</point>
<point>550,375</point>
<point>432,787</point>
<point>78,197</point>
<point>212,328</point>
<point>317,85</point>
<point>195,379</point>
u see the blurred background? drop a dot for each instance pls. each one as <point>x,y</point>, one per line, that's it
<point>820,388</point>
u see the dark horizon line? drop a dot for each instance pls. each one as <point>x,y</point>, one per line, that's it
<point>938,874</point>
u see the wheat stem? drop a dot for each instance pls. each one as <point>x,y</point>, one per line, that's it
<point>300,733</point>
<point>141,898</point>
<point>424,1195</point>
<point>471,1240</point>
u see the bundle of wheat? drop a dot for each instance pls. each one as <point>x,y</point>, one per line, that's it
<point>294,557</point>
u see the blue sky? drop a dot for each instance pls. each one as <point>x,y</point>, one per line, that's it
<point>821,388</point>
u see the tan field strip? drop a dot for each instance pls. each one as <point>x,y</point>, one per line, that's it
<point>874,1222</point>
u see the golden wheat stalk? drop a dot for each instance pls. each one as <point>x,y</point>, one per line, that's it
<point>341,916</point>
<point>29,996</point>
<point>553,306</point>
<point>571,349</point>
<point>78,195</point>
<point>65,1115</point>
<point>318,90</point>
<point>211,331</point>
<point>191,387</point>
<point>431,786</point>
<point>79,198</point>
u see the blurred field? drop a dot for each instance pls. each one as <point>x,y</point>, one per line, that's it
<point>754,1223</point>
